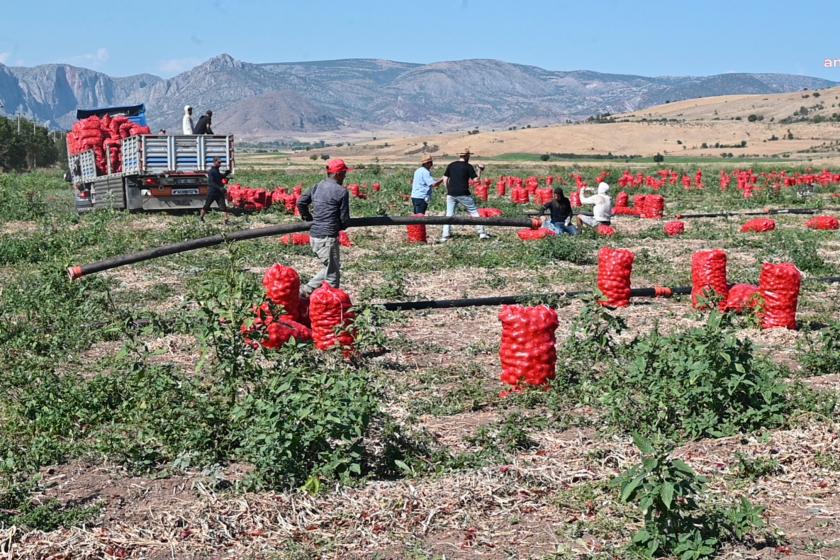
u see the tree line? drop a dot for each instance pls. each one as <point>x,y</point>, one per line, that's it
<point>24,145</point>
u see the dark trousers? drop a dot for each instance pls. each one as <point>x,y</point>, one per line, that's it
<point>217,195</point>
<point>420,205</point>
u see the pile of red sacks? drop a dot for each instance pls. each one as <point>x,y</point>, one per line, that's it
<point>104,136</point>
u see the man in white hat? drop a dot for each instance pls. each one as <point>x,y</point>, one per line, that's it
<point>186,122</point>
<point>602,211</point>
<point>457,180</point>
<point>422,185</point>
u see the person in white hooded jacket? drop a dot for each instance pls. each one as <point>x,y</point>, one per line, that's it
<point>186,122</point>
<point>602,209</point>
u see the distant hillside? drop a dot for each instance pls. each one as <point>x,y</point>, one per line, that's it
<point>285,100</point>
<point>801,126</point>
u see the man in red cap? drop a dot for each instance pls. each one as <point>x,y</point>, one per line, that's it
<point>331,215</point>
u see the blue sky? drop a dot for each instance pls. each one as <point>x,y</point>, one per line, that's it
<point>647,38</point>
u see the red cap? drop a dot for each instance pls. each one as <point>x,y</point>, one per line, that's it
<point>337,166</point>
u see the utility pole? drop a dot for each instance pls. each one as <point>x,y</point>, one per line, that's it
<point>18,122</point>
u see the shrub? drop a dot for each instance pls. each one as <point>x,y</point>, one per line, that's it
<point>677,521</point>
<point>820,354</point>
<point>703,382</point>
<point>658,158</point>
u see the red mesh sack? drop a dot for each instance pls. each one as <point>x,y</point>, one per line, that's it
<point>533,234</point>
<point>482,191</point>
<point>708,276</point>
<point>621,199</point>
<point>823,222</point>
<point>605,231</point>
<point>500,188</point>
<point>282,286</point>
<point>740,298</point>
<point>758,225</point>
<point>329,309</point>
<point>574,199</point>
<point>295,239</point>
<point>653,207</point>
<point>639,202</point>
<point>416,232</point>
<point>614,269</point>
<point>545,195</point>
<point>527,351</point>
<point>625,211</point>
<point>344,239</point>
<point>280,331</point>
<point>778,286</point>
<point>673,229</point>
<point>489,212</point>
<point>376,187</point>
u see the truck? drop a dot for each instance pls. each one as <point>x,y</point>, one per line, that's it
<point>155,171</point>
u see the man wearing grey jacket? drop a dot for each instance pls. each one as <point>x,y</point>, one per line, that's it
<point>332,215</point>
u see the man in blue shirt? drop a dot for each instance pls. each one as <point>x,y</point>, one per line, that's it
<point>421,187</point>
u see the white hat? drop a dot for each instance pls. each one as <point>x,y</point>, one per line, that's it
<point>187,107</point>
<point>603,188</point>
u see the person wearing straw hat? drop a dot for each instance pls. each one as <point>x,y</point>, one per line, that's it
<point>331,216</point>
<point>422,185</point>
<point>457,180</point>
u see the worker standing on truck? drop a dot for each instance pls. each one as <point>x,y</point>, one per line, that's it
<point>186,122</point>
<point>203,124</point>
<point>216,190</point>
<point>332,215</point>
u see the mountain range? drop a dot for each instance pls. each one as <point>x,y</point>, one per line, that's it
<point>271,101</point>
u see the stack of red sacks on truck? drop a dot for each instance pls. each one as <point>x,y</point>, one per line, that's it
<point>104,136</point>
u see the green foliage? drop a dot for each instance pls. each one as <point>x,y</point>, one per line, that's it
<point>26,146</point>
<point>676,521</point>
<point>704,382</point>
<point>798,248</point>
<point>305,418</point>
<point>753,468</point>
<point>17,509</point>
<point>819,354</point>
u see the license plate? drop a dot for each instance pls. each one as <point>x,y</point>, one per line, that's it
<point>182,192</point>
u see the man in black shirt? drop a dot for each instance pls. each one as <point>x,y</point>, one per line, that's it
<point>457,180</point>
<point>203,124</point>
<point>216,189</point>
<point>560,210</point>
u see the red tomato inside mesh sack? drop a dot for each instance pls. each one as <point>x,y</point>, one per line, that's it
<point>344,239</point>
<point>489,212</point>
<point>527,350</point>
<point>778,286</point>
<point>823,222</point>
<point>416,232</point>
<point>672,229</point>
<point>614,269</point>
<point>758,225</point>
<point>329,311</point>
<point>282,286</point>
<point>605,231</point>
<point>740,298</point>
<point>622,199</point>
<point>280,331</point>
<point>708,276</point>
<point>295,239</point>
<point>534,234</point>
<point>653,207</point>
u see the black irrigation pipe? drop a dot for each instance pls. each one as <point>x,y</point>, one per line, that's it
<point>77,271</point>
<point>512,300</point>
<point>766,211</point>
